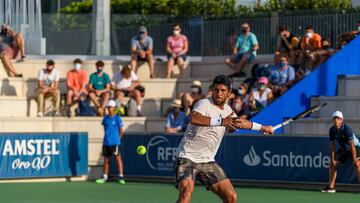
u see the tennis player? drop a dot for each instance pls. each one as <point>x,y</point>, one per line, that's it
<point>210,119</point>
<point>111,145</point>
<point>349,148</point>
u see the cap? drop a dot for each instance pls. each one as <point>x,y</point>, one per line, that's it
<point>337,114</point>
<point>111,103</point>
<point>176,103</point>
<point>196,83</point>
<point>142,29</point>
<point>263,80</point>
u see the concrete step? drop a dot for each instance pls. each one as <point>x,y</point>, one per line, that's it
<point>349,105</point>
<point>13,106</point>
<point>208,68</point>
<point>155,88</point>
<point>317,126</point>
<point>348,86</point>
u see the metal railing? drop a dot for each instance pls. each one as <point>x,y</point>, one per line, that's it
<point>71,34</point>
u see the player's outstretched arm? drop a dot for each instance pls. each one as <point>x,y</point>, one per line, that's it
<point>201,120</point>
<point>241,123</point>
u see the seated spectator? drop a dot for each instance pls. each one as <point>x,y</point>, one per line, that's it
<point>176,120</point>
<point>177,47</point>
<point>244,51</point>
<point>310,43</point>
<point>240,108</point>
<point>325,52</point>
<point>99,87</point>
<point>231,42</point>
<point>261,96</point>
<point>287,43</point>
<point>124,84</point>
<point>244,92</point>
<point>282,77</point>
<point>142,50</point>
<point>189,99</point>
<point>48,86</point>
<point>76,81</point>
<point>11,45</point>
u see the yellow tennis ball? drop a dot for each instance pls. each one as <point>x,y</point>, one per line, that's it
<point>141,150</point>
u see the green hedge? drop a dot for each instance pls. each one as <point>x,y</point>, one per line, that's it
<point>212,8</point>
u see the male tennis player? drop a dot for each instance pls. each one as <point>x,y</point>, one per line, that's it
<point>209,120</point>
<point>349,148</point>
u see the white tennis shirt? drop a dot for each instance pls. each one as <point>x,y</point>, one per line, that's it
<point>201,143</point>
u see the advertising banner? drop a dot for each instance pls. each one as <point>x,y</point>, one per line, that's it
<point>27,155</point>
<point>263,158</point>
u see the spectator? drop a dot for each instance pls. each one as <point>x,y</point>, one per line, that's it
<point>287,43</point>
<point>124,84</point>
<point>48,86</point>
<point>261,96</point>
<point>189,99</point>
<point>11,44</point>
<point>99,86</point>
<point>244,92</point>
<point>244,51</point>
<point>177,47</point>
<point>240,108</point>
<point>232,41</point>
<point>325,52</point>
<point>142,50</point>
<point>282,77</point>
<point>76,81</point>
<point>176,120</point>
<point>310,43</point>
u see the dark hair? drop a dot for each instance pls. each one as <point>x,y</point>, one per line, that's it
<point>222,79</point>
<point>50,62</point>
<point>99,64</point>
<point>326,39</point>
<point>175,25</point>
<point>77,60</point>
<point>126,71</point>
<point>309,27</point>
<point>283,28</point>
<point>246,23</point>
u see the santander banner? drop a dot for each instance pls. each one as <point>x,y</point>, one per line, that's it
<point>263,158</point>
<point>43,155</point>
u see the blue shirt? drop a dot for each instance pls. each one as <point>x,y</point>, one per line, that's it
<point>180,122</point>
<point>343,136</point>
<point>278,77</point>
<point>112,127</point>
<point>245,43</point>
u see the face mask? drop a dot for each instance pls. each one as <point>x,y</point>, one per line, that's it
<point>176,32</point>
<point>309,34</point>
<point>194,90</point>
<point>99,69</point>
<point>241,91</point>
<point>262,86</point>
<point>142,35</point>
<point>237,107</point>
<point>77,66</point>
<point>359,28</point>
<point>282,64</point>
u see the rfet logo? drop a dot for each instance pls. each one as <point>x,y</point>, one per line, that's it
<point>251,159</point>
<point>160,155</point>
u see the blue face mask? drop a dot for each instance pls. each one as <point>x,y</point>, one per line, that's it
<point>282,64</point>
<point>99,69</point>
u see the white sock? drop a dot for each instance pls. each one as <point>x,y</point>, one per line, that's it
<point>139,107</point>
<point>105,177</point>
<point>121,175</point>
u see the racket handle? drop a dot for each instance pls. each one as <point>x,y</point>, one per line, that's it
<point>277,126</point>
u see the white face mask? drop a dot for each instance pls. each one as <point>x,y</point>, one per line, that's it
<point>237,107</point>
<point>309,34</point>
<point>176,32</point>
<point>77,66</point>
<point>359,28</point>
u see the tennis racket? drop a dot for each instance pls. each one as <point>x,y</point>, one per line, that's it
<point>313,109</point>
